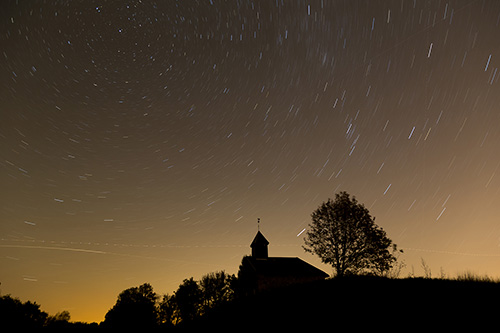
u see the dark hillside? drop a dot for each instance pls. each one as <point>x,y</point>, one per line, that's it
<point>363,303</point>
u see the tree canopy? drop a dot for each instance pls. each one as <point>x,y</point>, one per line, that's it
<point>135,308</point>
<point>344,235</point>
<point>22,316</point>
<point>142,308</point>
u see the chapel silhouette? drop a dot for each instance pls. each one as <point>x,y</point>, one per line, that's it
<point>262,272</point>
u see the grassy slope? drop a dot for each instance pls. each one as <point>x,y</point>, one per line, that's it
<point>365,303</point>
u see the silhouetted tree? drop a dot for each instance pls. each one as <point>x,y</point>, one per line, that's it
<point>21,316</point>
<point>344,234</point>
<point>216,289</point>
<point>188,298</point>
<point>168,311</point>
<point>134,309</point>
<point>59,321</point>
<point>193,299</point>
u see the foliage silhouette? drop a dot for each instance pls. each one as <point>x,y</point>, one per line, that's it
<point>193,299</point>
<point>25,316</point>
<point>189,299</point>
<point>168,312</point>
<point>16,316</point>
<point>369,302</point>
<point>134,309</point>
<point>59,322</point>
<point>216,289</point>
<point>344,234</point>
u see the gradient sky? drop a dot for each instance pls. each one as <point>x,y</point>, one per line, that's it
<point>141,140</point>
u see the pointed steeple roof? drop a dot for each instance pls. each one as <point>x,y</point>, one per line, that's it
<point>259,240</point>
<point>259,246</point>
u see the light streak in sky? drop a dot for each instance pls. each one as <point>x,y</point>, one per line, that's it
<point>487,63</point>
<point>441,213</point>
<point>413,129</point>
<point>452,252</point>
<point>56,248</point>
<point>387,189</point>
<point>162,258</point>
<point>38,247</point>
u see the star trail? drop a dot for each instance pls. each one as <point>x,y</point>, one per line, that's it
<point>140,141</point>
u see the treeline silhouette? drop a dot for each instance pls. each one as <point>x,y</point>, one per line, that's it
<point>136,308</point>
<point>142,308</point>
<point>217,302</point>
<point>16,316</point>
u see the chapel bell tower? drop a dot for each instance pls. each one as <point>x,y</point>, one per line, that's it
<point>259,245</point>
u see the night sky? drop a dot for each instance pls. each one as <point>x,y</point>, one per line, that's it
<point>141,140</point>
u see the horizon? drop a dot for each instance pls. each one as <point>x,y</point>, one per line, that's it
<point>98,314</point>
<point>141,141</point>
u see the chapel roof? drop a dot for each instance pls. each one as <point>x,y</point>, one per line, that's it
<point>284,266</point>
